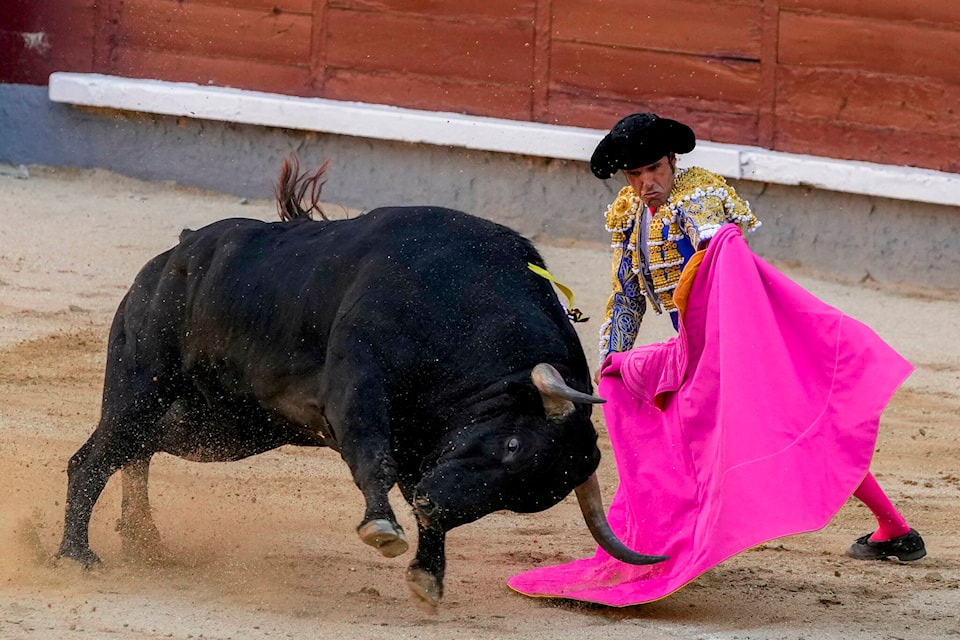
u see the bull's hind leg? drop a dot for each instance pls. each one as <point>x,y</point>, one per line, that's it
<point>127,435</point>
<point>138,532</point>
<point>87,474</point>
<point>85,482</point>
<point>142,378</point>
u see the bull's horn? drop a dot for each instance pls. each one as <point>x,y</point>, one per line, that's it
<point>558,398</point>
<point>588,495</point>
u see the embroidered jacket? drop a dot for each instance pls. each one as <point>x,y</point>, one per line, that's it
<point>699,204</point>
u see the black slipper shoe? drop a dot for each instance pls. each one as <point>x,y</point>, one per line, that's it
<point>905,548</point>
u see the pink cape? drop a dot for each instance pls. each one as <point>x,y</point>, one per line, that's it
<point>758,421</point>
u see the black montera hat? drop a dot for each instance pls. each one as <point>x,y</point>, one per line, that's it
<point>638,140</point>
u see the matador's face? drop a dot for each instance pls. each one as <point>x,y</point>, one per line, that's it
<point>653,182</point>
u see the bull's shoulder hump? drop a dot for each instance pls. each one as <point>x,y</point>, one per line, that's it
<point>424,218</point>
<point>443,227</point>
<point>222,226</point>
<point>422,212</point>
<point>237,231</point>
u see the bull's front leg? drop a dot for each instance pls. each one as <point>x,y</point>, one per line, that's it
<point>356,413</point>
<point>425,573</point>
<point>379,528</point>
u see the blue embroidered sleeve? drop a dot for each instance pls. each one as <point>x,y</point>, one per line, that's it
<point>626,307</point>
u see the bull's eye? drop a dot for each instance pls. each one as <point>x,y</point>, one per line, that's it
<point>513,445</point>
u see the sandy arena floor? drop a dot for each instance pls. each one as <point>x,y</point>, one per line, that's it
<point>265,547</point>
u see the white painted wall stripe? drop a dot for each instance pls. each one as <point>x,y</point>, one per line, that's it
<point>487,134</point>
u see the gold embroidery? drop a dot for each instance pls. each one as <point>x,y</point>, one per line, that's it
<point>665,258</point>
<point>620,213</point>
<point>699,204</point>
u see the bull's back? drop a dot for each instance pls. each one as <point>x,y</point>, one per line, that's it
<point>300,275</point>
<point>260,265</point>
<point>243,295</point>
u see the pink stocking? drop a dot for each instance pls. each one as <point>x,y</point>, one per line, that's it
<point>891,523</point>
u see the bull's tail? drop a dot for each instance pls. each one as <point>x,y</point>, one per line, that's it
<point>293,187</point>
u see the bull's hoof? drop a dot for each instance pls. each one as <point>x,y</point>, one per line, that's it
<point>140,541</point>
<point>85,557</point>
<point>385,536</point>
<point>425,589</point>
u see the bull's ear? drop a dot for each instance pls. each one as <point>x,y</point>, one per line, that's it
<point>557,397</point>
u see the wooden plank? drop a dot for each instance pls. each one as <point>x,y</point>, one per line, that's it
<point>942,13</point>
<point>886,146</point>
<point>880,47</point>
<point>192,29</point>
<point>431,93</point>
<point>577,110</point>
<point>462,10</point>
<point>731,128</point>
<point>713,29</point>
<point>870,100</point>
<point>494,53</point>
<point>646,74</point>
<point>179,67</point>
<point>304,7</point>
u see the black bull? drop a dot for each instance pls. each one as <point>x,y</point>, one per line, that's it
<point>414,341</point>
